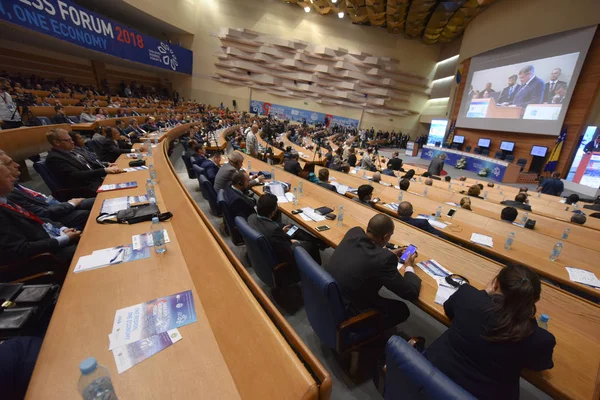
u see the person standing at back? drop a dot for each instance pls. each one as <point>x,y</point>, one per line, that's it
<point>494,335</point>
<point>437,165</point>
<point>552,186</point>
<point>361,265</point>
<point>252,141</point>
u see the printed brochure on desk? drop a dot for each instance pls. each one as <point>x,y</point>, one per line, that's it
<point>134,353</point>
<point>151,318</point>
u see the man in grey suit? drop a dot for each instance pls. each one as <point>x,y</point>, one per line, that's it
<point>437,165</point>
<point>225,174</point>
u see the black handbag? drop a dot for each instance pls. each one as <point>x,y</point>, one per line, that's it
<point>134,215</point>
<point>25,308</point>
<point>137,163</point>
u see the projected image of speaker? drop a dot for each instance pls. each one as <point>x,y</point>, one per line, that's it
<point>525,87</point>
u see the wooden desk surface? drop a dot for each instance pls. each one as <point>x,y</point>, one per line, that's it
<point>233,351</point>
<point>305,154</point>
<point>529,248</point>
<point>277,153</point>
<point>574,322</point>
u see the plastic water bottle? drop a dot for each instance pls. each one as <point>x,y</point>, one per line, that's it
<point>556,251</point>
<point>300,189</point>
<point>565,234</point>
<point>543,321</point>
<point>158,236</point>
<point>485,194</point>
<point>150,189</point>
<point>364,175</point>
<point>273,174</point>
<point>463,184</point>
<point>449,186</point>
<point>539,194</point>
<point>509,241</point>
<point>438,213</point>
<point>94,382</point>
<point>525,217</point>
<point>152,173</point>
<point>420,179</point>
<point>295,196</point>
<point>340,218</point>
<point>149,146</point>
<point>425,192</point>
<point>249,166</point>
<point>400,197</point>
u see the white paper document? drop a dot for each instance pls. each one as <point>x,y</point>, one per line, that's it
<point>392,206</point>
<point>341,189</point>
<point>312,215</point>
<point>444,292</point>
<point>482,240</point>
<point>100,258</point>
<point>583,276</point>
<point>437,224</point>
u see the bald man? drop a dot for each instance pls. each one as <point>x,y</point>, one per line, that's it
<point>252,142</point>
<point>405,212</point>
<point>361,265</point>
<point>226,172</point>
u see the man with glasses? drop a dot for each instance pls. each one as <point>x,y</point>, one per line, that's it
<point>225,174</point>
<point>71,169</point>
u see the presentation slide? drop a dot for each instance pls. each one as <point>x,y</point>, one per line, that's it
<point>524,87</point>
<point>437,131</point>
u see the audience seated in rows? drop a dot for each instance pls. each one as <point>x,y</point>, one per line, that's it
<point>352,157</point>
<point>361,265</point>
<point>240,200</point>
<point>405,212</point>
<point>109,148</point>
<point>73,213</point>
<point>521,201</point>
<point>60,117</point>
<point>87,115</point>
<point>324,180</point>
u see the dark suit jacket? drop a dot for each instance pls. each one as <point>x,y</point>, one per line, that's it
<point>279,240</point>
<point>489,370</point>
<point>516,204</point>
<point>394,164</point>
<point>22,238</point>
<point>327,186</point>
<point>422,224</point>
<point>61,119</point>
<point>436,166</point>
<point>210,170</point>
<point>530,94</point>
<point>361,268</point>
<point>149,128</point>
<point>38,205</point>
<point>292,166</point>
<point>72,173</point>
<point>239,205</point>
<point>109,151</point>
<point>549,95</point>
<point>505,97</point>
<point>352,160</point>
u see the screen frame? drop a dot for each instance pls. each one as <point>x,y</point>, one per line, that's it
<point>531,151</point>
<point>454,139</point>
<point>505,141</point>
<point>485,147</point>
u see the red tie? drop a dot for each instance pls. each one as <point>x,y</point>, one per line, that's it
<point>22,211</point>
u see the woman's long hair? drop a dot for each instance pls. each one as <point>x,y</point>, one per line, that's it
<point>409,175</point>
<point>510,315</point>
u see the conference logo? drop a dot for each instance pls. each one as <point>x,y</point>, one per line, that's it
<point>164,54</point>
<point>496,172</point>
<point>429,153</point>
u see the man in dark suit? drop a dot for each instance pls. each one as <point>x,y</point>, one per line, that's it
<point>134,131</point>
<point>361,265</point>
<point>211,166</point>
<point>592,146</point>
<point>437,165</point>
<point>405,212</point>
<point>395,163</point>
<point>60,117</point>
<point>72,169</point>
<point>324,180</point>
<point>559,95</point>
<point>531,88</point>
<point>73,213</point>
<point>149,125</point>
<point>198,153</point>
<point>508,93</point>
<point>240,201</point>
<point>109,149</point>
<point>265,221</point>
<point>521,201</point>
<point>292,165</point>
<point>24,235</point>
<point>552,85</point>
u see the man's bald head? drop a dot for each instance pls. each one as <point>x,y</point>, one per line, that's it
<point>380,228</point>
<point>429,182</point>
<point>405,209</point>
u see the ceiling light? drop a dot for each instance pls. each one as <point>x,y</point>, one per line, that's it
<point>341,14</point>
<point>334,1</point>
<point>307,9</point>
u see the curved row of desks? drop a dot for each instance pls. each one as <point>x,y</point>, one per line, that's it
<point>241,347</point>
<point>575,322</point>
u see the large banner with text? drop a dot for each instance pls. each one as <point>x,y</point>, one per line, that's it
<point>474,163</point>
<point>299,115</point>
<point>75,24</point>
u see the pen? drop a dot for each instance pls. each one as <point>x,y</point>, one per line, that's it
<point>116,256</point>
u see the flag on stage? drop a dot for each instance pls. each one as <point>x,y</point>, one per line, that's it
<point>459,72</point>
<point>450,137</point>
<point>555,153</point>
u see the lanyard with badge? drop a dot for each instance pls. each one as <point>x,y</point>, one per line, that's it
<point>10,105</point>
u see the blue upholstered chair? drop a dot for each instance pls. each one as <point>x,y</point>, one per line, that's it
<point>468,149</point>
<point>188,165</point>
<point>43,121</point>
<point>199,171</point>
<point>261,255</point>
<point>236,238</point>
<point>208,191</point>
<point>410,376</point>
<point>334,325</point>
<point>58,192</point>
<point>498,155</point>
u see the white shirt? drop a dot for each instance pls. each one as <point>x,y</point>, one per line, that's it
<point>7,108</point>
<point>251,143</point>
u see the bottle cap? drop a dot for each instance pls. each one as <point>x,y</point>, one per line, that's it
<point>88,365</point>
<point>152,200</point>
<point>155,220</point>
<point>151,166</point>
<point>544,318</point>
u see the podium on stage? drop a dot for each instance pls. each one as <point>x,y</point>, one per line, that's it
<point>487,108</point>
<point>588,172</point>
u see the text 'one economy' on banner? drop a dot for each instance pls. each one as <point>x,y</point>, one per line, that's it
<point>71,22</point>
<point>299,115</point>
